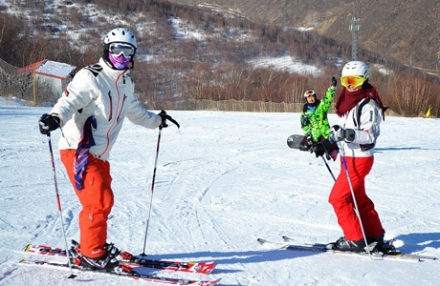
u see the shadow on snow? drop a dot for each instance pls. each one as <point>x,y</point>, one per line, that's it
<point>415,242</point>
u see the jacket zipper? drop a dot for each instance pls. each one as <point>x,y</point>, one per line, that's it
<point>118,113</point>
<point>111,106</point>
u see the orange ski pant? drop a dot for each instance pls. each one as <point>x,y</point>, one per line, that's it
<point>342,200</point>
<point>96,199</point>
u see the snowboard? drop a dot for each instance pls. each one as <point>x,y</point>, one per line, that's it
<point>294,140</point>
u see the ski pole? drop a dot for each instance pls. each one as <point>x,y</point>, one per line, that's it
<point>328,168</point>
<point>344,163</point>
<point>59,205</point>
<point>152,190</point>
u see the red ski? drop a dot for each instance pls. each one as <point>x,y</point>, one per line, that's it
<point>199,267</point>
<point>123,271</point>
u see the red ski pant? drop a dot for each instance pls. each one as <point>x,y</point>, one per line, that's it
<point>342,200</point>
<point>96,199</point>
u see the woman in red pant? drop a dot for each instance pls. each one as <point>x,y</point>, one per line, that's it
<point>360,112</point>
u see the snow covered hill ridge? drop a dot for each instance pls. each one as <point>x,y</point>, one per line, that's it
<point>224,180</point>
<point>406,27</point>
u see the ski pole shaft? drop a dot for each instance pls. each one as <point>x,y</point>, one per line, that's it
<point>152,189</point>
<point>59,204</point>
<point>328,168</point>
<point>344,163</point>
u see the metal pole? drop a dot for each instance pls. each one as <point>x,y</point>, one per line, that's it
<point>328,168</point>
<point>354,28</point>
<point>59,205</point>
<point>152,190</point>
<point>344,162</point>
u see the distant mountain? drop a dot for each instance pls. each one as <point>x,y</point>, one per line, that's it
<point>407,31</point>
<point>191,51</point>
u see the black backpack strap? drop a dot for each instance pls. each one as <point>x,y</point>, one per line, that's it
<point>364,147</point>
<point>359,111</point>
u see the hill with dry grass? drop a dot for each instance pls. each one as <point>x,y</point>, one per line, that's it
<point>406,31</point>
<point>191,52</point>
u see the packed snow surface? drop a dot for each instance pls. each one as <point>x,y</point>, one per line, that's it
<point>223,180</point>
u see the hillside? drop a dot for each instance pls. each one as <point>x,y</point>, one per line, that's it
<point>194,55</point>
<point>405,30</point>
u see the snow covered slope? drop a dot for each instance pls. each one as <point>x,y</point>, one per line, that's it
<point>223,181</point>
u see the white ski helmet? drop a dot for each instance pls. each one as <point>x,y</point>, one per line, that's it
<point>356,68</point>
<point>119,35</point>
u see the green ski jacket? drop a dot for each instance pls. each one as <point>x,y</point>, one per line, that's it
<point>314,121</point>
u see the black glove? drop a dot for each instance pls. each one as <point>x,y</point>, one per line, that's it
<point>48,123</point>
<point>321,148</point>
<point>309,140</point>
<point>340,134</point>
<point>164,116</point>
<point>334,82</point>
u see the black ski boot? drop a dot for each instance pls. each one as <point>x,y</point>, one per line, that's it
<point>343,244</point>
<point>381,245</point>
<point>107,262</point>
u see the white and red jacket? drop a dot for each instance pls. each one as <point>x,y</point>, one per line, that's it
<point>108,95</point>
<point>364,119</point>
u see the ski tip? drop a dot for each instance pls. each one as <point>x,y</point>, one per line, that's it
<point>27,247</point>
<point>261,240</point>
<point>212,264</point>
<point>423,257</point>
<point>205,267</point>
<point>209,283</point>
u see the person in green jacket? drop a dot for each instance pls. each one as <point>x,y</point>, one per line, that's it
<point>313,118</point>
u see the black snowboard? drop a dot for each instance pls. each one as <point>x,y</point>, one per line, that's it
<point>294,140</point>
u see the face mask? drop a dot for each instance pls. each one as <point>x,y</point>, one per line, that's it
<point>119,62</point>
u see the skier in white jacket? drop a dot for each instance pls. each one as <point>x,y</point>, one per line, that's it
<point>91,111</point>
<point>360,111</point>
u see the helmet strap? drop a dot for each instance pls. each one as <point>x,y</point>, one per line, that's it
<point>132,63</point>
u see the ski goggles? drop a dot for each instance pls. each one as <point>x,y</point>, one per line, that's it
<point>352,80</point>
<point>118,49</point>
<point>309,93</point>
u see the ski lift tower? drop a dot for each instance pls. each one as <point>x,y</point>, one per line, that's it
<point>354,28</point>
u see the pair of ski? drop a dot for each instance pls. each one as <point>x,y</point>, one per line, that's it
<point>130,266</point>
<point>290,244</point>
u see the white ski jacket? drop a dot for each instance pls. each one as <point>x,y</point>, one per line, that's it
<point>107,94</point>
<point>364,119</point>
